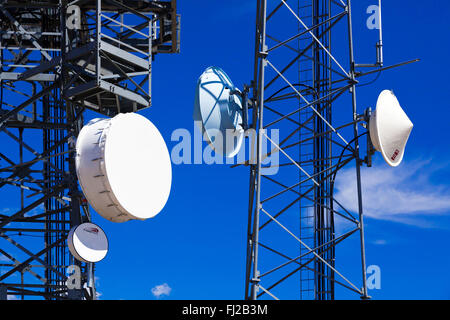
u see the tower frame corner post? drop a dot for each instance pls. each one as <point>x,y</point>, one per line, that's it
<point>38,121</point>
<point>358,161</point>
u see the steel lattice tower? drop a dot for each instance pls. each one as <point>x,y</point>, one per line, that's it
<point>298,79</point>
<point>59,59</point>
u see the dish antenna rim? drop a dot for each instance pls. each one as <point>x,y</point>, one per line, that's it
<point>381,127</point>
<point>73,248</point>
<point>220,116</point>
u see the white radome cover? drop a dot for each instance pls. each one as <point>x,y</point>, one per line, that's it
<point>87,242</point>
<point>219,111</point>
<point>390,128</point>
<point>124,167</point>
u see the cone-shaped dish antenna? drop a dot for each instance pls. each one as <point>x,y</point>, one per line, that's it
<point>218,107</point>
<point>124,167</point>
<point>390,128</point>
<point>88,242</point>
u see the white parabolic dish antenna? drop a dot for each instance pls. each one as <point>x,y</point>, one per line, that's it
<point>88,242</point>
<point>219,110</point>
<point>124,167</point>
<point>390,128</point>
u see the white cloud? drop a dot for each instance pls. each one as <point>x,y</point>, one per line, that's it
<point>38,210</point>
<point>12,297</point>
<point>97,284</point>
<point>399,194</point>
<point>160,290</point>
<point>4,258</point>
<point>379,242</point>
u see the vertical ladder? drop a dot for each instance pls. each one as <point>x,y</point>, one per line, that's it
<point>324,228</point>
<point>316,221</point>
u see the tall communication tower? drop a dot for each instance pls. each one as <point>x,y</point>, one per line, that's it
<point>58,60</point>
<point>299,82</point>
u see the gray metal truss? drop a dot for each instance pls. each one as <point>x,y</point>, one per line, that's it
<point>301,89</point>
<point>50,74</point>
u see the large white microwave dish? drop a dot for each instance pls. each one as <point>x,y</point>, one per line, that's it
<point>87,242</point>
<point>124,167</point>
<point>390,128</point>
<point>218,110</point>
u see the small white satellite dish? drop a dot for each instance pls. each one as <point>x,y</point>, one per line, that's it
<point>87,242</point>
<point>219,110</point>
<point>124,167</point>
<point>390,128</point>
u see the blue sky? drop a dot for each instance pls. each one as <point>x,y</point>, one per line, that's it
<point>195,248</point>
<point>197,244</point>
